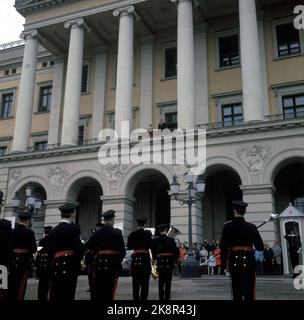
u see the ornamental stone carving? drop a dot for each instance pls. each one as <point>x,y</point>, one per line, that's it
<point>14,177</point>
<point>57,176</point>
<point>254,157</point>
<point>114,173</point>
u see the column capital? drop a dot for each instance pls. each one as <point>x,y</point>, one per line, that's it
<point>77,23</point>
<point>29,34</point>
<point>124,11</point>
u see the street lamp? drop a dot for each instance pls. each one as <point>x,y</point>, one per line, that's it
<point>191,267</point>
<point>32,203</point>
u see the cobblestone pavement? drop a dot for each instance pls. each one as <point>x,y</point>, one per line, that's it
<point>205,288</point>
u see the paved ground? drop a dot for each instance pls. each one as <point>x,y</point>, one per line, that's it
<point>206,288</point>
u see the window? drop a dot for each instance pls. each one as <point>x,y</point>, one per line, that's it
<point>229,51</point>
<point>3,151</point>
<point>6,72</point>
<point>169,117</point>
<point>288,40</point>
<point>111,120</point>
<point>40,145</point>
<point>6,105</point>
<point>45,97</point>
<point>170,62</point>
<point>81,134</point>
<point>44,64</point>
<point>293,106</point>
<point>14,70</point>
<point>232,114</point>
<point>85,79</point>
<point>299,203</point>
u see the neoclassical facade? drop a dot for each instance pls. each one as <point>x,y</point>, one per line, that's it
<point>230,67</point>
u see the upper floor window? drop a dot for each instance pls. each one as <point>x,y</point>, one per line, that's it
<point>3,151</point>
<point>45,97</point>
<point>81,134</point>
<point>85,79</point>
<point>111,120</point>
<point>6,105</point>
<point>170,62</point>
<point>232,114</point>
<point>288,40</point>
<point>229,51</point>
<point>40,145</point>
<point>293,106</point>
<point>168,117</point>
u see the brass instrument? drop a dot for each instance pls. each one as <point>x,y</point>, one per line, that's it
<point>154,272</point>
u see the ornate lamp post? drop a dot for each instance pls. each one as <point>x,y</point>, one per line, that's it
<point>33,204</point>
<point>191,267</point>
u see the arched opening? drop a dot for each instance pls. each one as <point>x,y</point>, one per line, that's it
<point>152,199</point>
<point>38,217</point>
<point>289,186</point>
<point>86,192</point>
<point>222,187</point>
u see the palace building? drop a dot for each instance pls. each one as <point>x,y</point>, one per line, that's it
<point>233,67</point>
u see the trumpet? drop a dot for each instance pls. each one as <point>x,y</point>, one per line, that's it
<point>154,272</point>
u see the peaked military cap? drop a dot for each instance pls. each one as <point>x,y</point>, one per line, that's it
<point>163,226</point>
<point>67,208</point>
<point>141,221</point>
<point>110,214</point>
<point>1,196</point>
<point>24,215</point>
<point>240,204</point>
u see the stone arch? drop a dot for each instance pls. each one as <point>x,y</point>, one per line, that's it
<point>280,160</point>
<point>25,180</point>
<point>134,175</point>
<point>72,188</point>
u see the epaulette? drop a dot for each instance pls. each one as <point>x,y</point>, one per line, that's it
<point>227,222</point>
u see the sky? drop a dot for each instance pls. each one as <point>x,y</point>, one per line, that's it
<point>11,22</point>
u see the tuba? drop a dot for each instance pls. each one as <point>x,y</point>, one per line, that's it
<point>154,272</point>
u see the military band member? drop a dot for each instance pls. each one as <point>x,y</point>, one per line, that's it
<point>65,250</point>
<point>43,264</point>
<point>239,239</point>
<point>24,246</point>
<point>166,253</point>
<point>108,247</point>
<point>140,241</point>
<point>5,246</point>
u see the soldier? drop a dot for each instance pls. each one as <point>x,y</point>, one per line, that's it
<point>108,248</point>
<point>166,253</point>
<point>141,242</point>
<point>43,265</point>
<point>237,252</point>
<point>5,246</point>
<point>294,248</point>
<point>65,250</point>
<point>24,246</point>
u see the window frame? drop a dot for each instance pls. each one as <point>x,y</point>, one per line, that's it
<point>166,108</point>
<point>44,141</point>
<point>294,107</point>
<point>226,34</point>
<point>39,110</point>
<point>164,47</point>
<point>6,92</point>
<point>88,64</point>
<point>279,22</point>
<point>2,147</point>
<point>232,106</point>
<point>83,122</point>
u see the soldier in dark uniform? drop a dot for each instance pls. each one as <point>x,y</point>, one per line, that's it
<point>5,246</point>
<point>65,250</point>
<point>24,246</point>
<point>108,248</point>
<point>43,264</point>
<point>166,253</point>
<point>239,239</point>
<point>141,242</point>
<point>294,247</point>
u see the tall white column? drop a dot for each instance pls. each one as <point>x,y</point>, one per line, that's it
<point>70,124</point>
<point>146,82</point>
<point>26,92</point>
<point>53,136</point>
<point>251,63</point>
<point>124,85</point>
<point>201,75</point>
<point>99,90</point>
<point>185,65</point>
